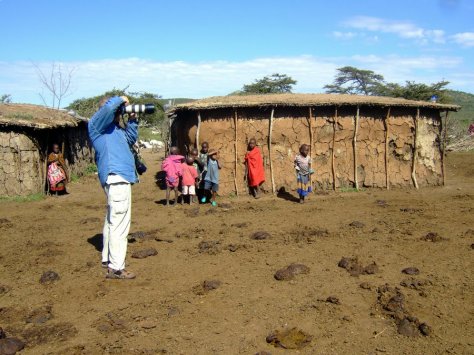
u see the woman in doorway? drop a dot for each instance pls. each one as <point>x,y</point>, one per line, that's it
<point>57,175</point>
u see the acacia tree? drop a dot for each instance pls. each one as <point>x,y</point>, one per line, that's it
<point>351,80</point>
<point>273,84</point>
<point>57,83</point>
<point>416,91</point>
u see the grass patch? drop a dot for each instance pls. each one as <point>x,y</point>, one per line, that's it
<point>20,116</point>
<point>28,198</point>
<point>146,134</point>
<point>90,169</point>
<point>74,178</point>
<point>350,189</point>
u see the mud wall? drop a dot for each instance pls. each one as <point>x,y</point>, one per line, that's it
<point>78,151</point>
<point>20,165</point>
<point>23,153</point>
<point>332,147</point>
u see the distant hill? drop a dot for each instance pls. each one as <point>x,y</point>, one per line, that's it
<point>466,100</point>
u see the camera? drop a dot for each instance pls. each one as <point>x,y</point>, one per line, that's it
<point>137,108</point>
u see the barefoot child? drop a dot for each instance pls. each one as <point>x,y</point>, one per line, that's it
<point>188,182</point>
<point>211,180</point>
<point>194,154</point>
<point>203,159</point>
<point>172,166</point>
<point>255,170</point>
<point>303,172</point>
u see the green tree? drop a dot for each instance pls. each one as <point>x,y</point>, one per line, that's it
<point>273,84</point>
<point>417,91</point>
<point>88,106</point>
<point>5,99</point>
<point>351,80</point>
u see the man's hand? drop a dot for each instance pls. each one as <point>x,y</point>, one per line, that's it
<point>132,116</point>
<point>125,100</point>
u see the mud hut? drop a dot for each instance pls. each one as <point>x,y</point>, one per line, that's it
<point>27,133</point>
<point>355,141</point>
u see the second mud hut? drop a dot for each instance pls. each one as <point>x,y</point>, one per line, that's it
<point>355,141</point>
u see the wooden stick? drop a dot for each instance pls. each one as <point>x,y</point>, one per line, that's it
<point>354,145</point>
<point>387,131</point>
<point>333,147</point>
<point>270,148</point>
<point>415,150</point>
<point>235,157</point>
<point>444,128</point>
<point>310,123</point>
<point>376,335</point>
<point>45,170</point>
<point>198,129</point>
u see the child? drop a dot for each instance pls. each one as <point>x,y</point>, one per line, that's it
<point>254,165</point>
<point>172,166</point>
<point>189,177</point>
<point>303,172</point>
<point>203,159</point>
<point>194,155</point>
<point>211,180</point>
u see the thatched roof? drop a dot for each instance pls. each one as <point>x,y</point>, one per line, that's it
<point>37,117</point>
<point>305,100</point>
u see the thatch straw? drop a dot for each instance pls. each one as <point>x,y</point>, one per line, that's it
<point>37,117</point>
<point>306,100</point>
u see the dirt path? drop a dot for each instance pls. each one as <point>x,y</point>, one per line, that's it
<point>167,309</point>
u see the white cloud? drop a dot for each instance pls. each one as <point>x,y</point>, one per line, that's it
<point>465,39</point>
<point>344,35</point>
<point>402,29</point>
<point>197,80</point>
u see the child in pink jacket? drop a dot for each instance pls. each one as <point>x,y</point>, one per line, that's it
<point>173,169</point>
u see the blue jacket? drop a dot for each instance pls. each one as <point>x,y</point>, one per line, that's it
<point>112,143</point>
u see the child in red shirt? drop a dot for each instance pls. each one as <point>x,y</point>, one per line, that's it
<point>189,178</point>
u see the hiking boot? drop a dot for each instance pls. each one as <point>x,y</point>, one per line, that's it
<point>119,274</point>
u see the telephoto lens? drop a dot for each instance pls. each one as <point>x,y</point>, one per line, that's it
<point>144,108</point>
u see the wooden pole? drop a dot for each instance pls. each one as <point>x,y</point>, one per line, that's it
<point>387,131</point>
<point>444,128</point>
<point>333,147</point>
<point>354,145</point>
<point>198,129</point>
<point>270,149</point>
<point>415,150</point>
<point>45,169</point>
<point>235,151</point>
<point>310,124</point>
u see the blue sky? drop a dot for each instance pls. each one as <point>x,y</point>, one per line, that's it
<point>206,48</point>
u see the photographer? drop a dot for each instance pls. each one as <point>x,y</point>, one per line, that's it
<point>117,173</point>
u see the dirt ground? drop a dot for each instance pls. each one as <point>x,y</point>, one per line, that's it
<point>363,309</point>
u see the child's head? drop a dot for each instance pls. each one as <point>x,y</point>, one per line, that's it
<point>190,160</point>
<point>194,152</point>
<point>56,148</point>
<point>252,143</point>
<point>174,151</point>
<point>213,154</point>
<point>304,150</point>
<point>204,147</point>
